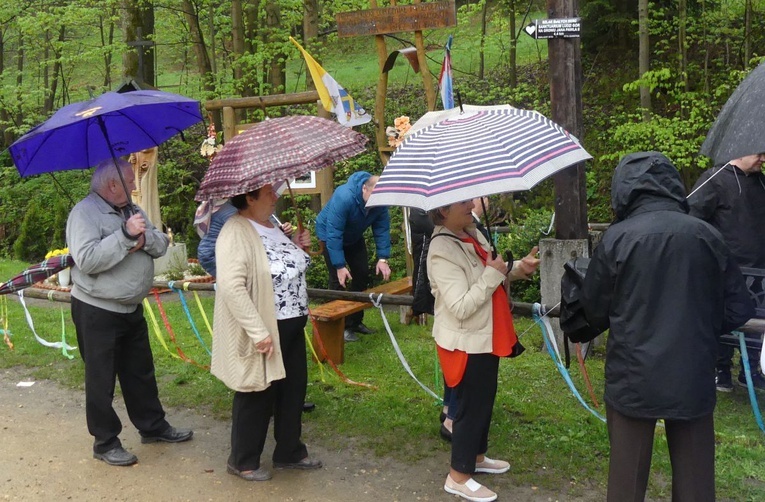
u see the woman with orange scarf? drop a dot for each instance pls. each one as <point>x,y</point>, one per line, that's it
<point>473,328</point>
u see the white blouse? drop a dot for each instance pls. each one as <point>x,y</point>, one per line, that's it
<point>288,265</point>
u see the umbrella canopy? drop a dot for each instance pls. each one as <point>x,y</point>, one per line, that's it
<point>81,135</point>
<point>275,150</point>
<point>475,154</point>
<point>739,129</point>
<point>431,118</point>
<point>36,273</point>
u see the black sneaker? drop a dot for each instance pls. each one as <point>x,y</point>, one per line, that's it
<point>724,381</point>
<point>350,336</point>
<point>758,381</point>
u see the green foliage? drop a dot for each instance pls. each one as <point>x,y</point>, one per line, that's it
<point>522,237</point>
<point>32,244</point>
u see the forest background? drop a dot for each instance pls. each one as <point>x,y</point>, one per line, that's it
<point>655,74</point>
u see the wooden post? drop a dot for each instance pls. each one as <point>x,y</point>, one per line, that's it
<point>229,123</point>
<point>427,81</point>
<point>566,103</point>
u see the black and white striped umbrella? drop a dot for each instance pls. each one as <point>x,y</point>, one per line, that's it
<point>475,154</point>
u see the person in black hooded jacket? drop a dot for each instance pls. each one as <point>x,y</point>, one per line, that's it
<point>667,286</point>
<point>732,199</point>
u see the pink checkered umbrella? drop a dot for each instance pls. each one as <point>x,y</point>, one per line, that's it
<point>36,273</point>
<point>276,150</point>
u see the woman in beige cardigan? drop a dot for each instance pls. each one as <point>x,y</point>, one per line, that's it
<point>473,328</point>
<point>259,351</point>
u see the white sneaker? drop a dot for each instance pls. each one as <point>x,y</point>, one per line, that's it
<point>491,466</point>
<point>471,490</point>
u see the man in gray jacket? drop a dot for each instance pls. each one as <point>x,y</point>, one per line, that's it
<point>114,244</point>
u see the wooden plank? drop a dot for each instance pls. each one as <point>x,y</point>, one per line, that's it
<point>397,19</point>
<point>336,309</point>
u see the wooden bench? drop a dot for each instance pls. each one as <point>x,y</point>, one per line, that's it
<point>330,318</point>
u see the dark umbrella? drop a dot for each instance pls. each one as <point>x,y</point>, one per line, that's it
<point>739,129</point>
<point>80,135</point>
<point>36,273</point>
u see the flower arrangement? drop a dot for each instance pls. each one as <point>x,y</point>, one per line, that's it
<point>397,133</point>
<point>210,145</point>
<point>56,252</point>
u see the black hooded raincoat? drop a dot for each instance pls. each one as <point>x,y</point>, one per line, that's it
<point>666,285</point>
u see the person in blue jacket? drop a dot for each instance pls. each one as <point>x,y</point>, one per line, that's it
<point>341,225</point>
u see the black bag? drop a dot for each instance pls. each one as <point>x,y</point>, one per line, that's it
<point>423,301</point>
<point>572,319</point>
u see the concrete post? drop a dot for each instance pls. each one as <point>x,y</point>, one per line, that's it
<point>554,254</point>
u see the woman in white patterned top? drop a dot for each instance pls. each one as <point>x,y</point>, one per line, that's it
<point>249,251</point>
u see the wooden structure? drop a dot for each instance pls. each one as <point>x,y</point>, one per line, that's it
<point>395,19</point>
<point>324,185</point>
<point>330,318</point>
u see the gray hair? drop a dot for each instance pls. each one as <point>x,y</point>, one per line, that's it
<point>106,171</point>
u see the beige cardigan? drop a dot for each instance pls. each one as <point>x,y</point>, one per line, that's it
<point>463,287</point>
<point>244,310</point>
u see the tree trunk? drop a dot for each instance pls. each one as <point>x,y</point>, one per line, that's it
<point>276,67</point>
<point>50,98</point>
<point>513,46</point>
<point>5,117</point>
<point>138,26</point>
<point>198,42</point>
<point>682,41</point>
<point>644,58</point>
<point>747,33</point>
<point>147,22</point>
<point>19,117</point>
<point>237,37</point>
<point>310,32</point>
<point>106,42</point>
<point>481,51</point>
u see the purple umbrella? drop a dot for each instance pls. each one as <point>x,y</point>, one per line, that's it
<point>36,273</point>
<point>80,135</point>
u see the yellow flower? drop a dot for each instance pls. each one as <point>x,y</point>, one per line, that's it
<point>56,252</point>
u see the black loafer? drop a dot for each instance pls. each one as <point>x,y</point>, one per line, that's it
<point>308,406</point>
<point>117,456</point>
<point>170,435</point>
<point>260,474</point>
<point>363,329</point>
<point>306,464</point>
<point>446,433</point>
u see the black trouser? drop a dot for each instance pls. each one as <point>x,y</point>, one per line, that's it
<point>283,399</point>
<point>357,261</point>
<point>117,345</point>
<point>691,446</point>
<point>725,358</point>
<point>475,402</point>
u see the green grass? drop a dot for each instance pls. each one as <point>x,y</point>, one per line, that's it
<point>551,441</point>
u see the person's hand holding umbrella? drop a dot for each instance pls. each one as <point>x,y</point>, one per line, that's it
<point>136,226</point>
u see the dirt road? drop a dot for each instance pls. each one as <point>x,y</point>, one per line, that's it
<point>46,456</point>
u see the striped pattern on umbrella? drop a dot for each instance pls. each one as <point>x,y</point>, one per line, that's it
<point>275,150</point>
<point>476,154</point>
<point>36,273</point>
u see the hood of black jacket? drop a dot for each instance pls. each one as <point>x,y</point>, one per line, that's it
<point>645,181</point>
